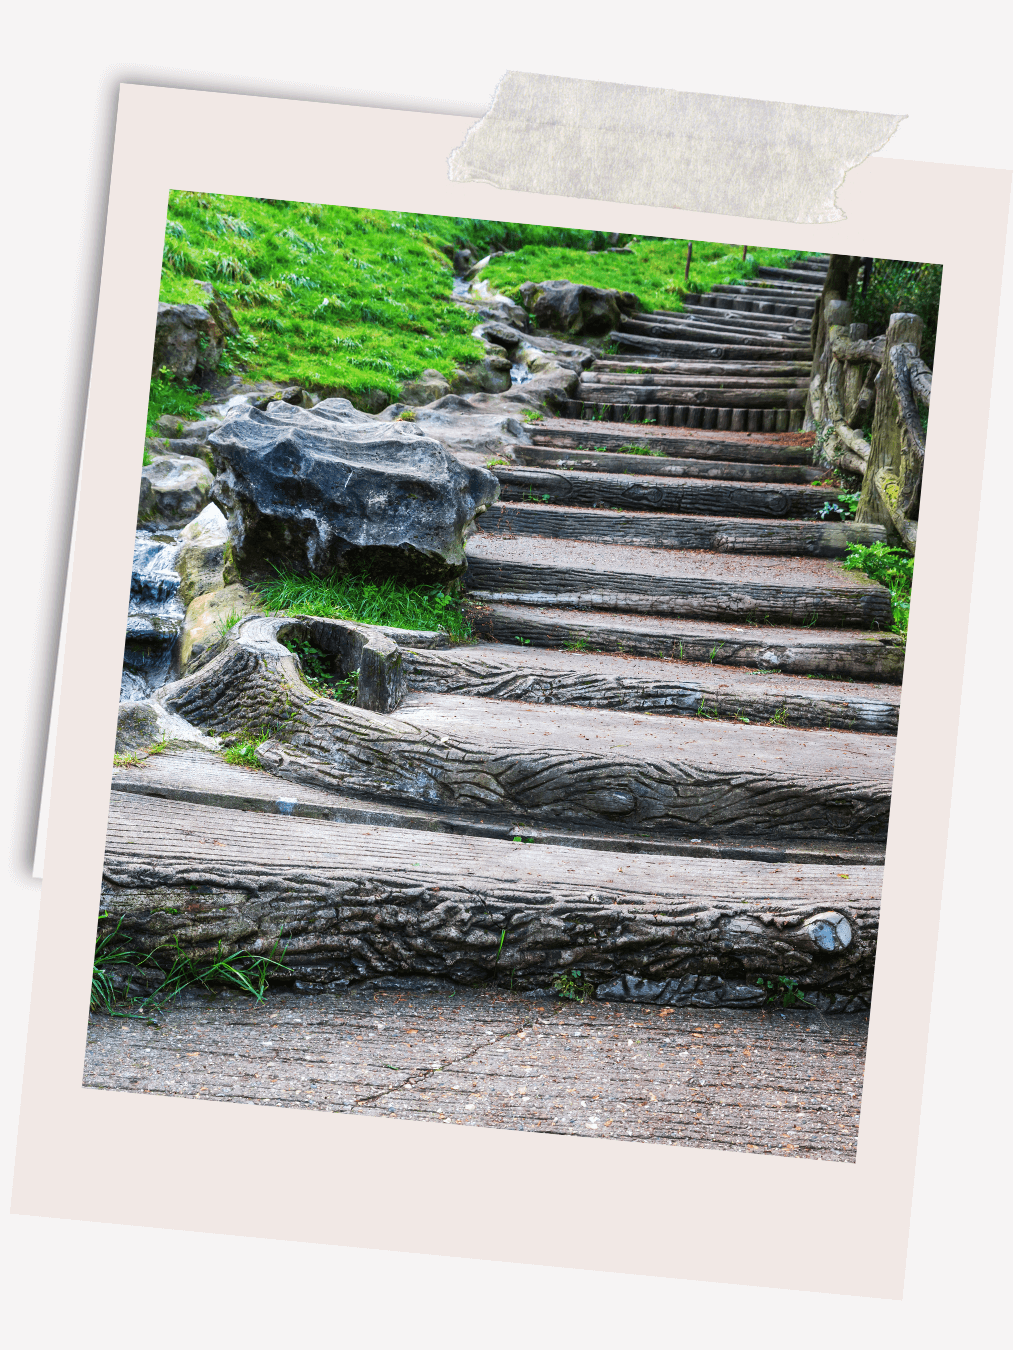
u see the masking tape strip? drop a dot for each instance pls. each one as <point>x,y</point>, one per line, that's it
<point>661,147</point>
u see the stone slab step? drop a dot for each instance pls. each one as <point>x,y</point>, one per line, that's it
<point>641,486</point>
<point>742,447</point>
<point>792,396</point>
<point>659,688</point>
<point>203,779</point>
<point>829,653</point>
<point>689,584</point>
<point>697,346</point>
<point>698,331</point>
<point>823,539</point>
<point>669,466</point>
<point>346,902</point>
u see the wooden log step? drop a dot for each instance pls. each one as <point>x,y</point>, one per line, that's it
<point>642,529</point>
<point>749,447</point>
<point>690,415</point>
<point>706,369</point>
<point>833,654</point>
<point>661,775</point>
<point>363,902</point>
<point>802,591</point>
<point>663,380</point>
<point>676,689</point>
<point>745,304</point>
<point>668,466</point>
<point>767,291</point>
<point>643,488</point>
<point>204,779</point>
<point>699,331</point>
<point>798,275</point>
<point>784,397</point>
<point>699,349</point>
<point>729,316</point>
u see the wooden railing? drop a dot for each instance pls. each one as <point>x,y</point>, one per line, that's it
<point>851,376</point>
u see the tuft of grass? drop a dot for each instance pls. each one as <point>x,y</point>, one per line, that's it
<point>406,415</point>
<point>892,568</point>
<point>318,671</point>
<point>229,621</point>
<point>244,753</point>
<point>115,996</point>
<point>389,603</point>
<point>170,396</point>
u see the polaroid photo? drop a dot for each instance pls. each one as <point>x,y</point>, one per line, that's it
<point>509,725</point>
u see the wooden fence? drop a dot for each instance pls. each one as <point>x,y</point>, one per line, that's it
<point>853,376</point>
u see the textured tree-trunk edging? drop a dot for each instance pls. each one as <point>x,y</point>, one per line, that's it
<point>340,904</point>
<point>505,618</point>
<point>252,689</point>
<point>465,673</point>
<point>829,539</point>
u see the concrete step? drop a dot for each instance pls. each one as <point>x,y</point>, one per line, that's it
<point>642,487</point>
<point>669,466</point>
<point>367,901</point>
<point>746,447</point>
<point>643,529</point>
<point>688,584</point>
<point>659,687</point>
<point>203,779</point>
<point>833,654</point>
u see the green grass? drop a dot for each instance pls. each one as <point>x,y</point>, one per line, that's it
<point>244,753</point>
<point>173,973</point>
<point>892,568</point>
<point>361,599</point>
<point>655,271</point>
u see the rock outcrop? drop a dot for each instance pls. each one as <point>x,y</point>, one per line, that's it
<point>190,339</point>
<point>328,489</point>
<point>174,488</point>
<point>568,308</point>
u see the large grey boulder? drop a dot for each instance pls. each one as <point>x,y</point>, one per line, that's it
<point>568,308</point>
<point>190,339</point>
<point>327,489</point>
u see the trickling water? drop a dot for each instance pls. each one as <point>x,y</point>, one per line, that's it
<point>154,618</point>
<point>519,374</point>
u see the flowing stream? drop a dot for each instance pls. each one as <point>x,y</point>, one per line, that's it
<point>155,616</point>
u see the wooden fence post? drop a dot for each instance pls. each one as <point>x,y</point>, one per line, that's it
<point>689,259</point>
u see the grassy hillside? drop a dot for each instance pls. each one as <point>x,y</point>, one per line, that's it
<point>655,271</point>
<point>343,300</point>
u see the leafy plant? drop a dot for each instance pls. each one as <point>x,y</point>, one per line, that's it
<point>530,415</point>
<point>319,673</point>
<point>781,989</point>
<point>844,508</point>
<point>572,985</point>
<point>892,568</point>
<point>406,415</point>
<point>390,603</point>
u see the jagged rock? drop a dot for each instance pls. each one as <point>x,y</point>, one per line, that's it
<point>469,427</point>
<point>190,339</point>
<point>489,376</point>
<point>142,723</point>
<point>294,394</point>
<point>430,386</point>
<point>174,488</point>
<point>315,491</point>
<point>201,558</point>
<point>569,308</point>
<point>206,618</point>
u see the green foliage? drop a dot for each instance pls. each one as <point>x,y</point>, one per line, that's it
<point>900,288</point>
<point>843,509</point>
<point>573,985</point>
<point>244,753</point>
<point>176,397</point>
<point>655,271</point>
<point>228,621</point>
<point>116,965</point>
<point>406,415</point>
<point>319,673</point>
<point>390,603</point>
<point>781,989</point>
<point>629,450</point>
<point>892,568</point>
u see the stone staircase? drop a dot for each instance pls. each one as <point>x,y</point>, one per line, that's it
<point>736,359</point>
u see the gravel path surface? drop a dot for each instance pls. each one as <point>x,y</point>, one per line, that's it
<point>787,1083</point>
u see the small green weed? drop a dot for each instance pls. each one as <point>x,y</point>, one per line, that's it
<point>496,462</point>
<point>783,990</point>
<point>406,415</point>
<point>530,415</point>
<point>244,753</point>
<point>229,621</point>
<point>573,985</point>
<point>575,645</point>
<point>843,509</point>
<point>525,642</point>
<point>319,673</point>
<point>780,718</point>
